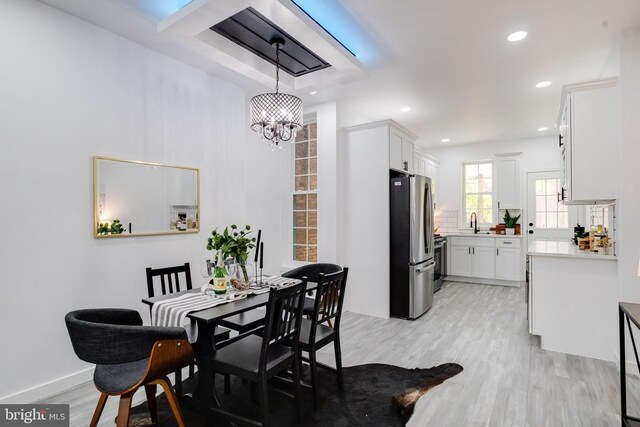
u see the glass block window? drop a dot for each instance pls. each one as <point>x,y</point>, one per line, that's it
<point>478,191</point>
<point>305,195</point>
<point>549,212</point>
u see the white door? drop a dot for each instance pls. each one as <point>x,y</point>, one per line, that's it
<point>508,264</point>
<point>483,262</point>
<point>546,217</point>
<point>460,261</point>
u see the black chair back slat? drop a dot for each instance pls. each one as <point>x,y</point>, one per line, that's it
<point>164,288</point>
<point>168,276</point>
<point>282,323</point>
<point>329,299</point>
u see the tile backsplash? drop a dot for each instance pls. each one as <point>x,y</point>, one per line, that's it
<point>446,220</point>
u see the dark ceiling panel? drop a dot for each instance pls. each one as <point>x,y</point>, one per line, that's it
<point>254,32</point>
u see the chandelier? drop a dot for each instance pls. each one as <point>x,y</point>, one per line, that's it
<point>276,116</point>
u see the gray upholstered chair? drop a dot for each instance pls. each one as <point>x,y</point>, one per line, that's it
<point>312,273</point>
<point>128,355</point>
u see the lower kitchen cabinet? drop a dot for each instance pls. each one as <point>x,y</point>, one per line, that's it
<point>460,261</point>
<point>508,259</point>
<point>485,257</point>
<point>482,261</point>
<point>472,257</point>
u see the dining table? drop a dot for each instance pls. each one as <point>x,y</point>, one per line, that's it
<point>205,321</point>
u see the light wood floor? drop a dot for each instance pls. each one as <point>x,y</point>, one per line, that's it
<point>507,379</point>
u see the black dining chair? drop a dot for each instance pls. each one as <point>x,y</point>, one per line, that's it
<point>258,358</point>
<point>127,356</point>
<point>319,332</point>
<point>312,273</point>
<point>169,281</point>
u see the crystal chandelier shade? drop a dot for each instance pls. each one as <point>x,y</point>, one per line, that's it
<point>276,116</point>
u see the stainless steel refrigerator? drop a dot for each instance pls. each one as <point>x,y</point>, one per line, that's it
<point>412,242</point>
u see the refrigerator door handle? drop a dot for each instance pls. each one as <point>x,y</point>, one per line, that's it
<point>425,225</point>
<point>426,268</point>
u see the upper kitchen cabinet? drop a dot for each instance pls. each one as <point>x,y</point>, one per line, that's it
<point>589,132</point>
<point>401,149</point>
<point>428,166</point>
<point>508,181</point>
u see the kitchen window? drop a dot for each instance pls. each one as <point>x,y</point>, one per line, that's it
<point>477,181</point>
<point>305,195</point>
<point>549,212</point>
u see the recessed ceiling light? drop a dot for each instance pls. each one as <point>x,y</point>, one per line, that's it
<point>543,84</point>
<point>313,92</point>
<point>517,36</point>
<point>542,129</point>
<point>445,140</point>
<point>405,109</point>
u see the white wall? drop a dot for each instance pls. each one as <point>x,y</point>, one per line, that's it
<point>538,153</point>
<point>628,208</point>
<point>71,90</point>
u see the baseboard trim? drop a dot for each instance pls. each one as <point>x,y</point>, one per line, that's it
<point>42,391</point>
<point>495,282</point>
<point>632,368</point>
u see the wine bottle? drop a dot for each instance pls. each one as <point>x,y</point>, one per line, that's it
<point>219,277</point>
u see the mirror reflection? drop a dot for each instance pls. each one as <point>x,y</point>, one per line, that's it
<point>134,198</point>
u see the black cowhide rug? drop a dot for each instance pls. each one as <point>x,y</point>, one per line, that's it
<point>374,395</point>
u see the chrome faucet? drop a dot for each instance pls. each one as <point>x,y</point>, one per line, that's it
<point>474,222</point>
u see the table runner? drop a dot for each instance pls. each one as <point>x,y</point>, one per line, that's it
<point>173,311</point>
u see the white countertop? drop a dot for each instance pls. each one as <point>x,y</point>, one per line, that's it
<point>484,234</point>
<point>563,248</point>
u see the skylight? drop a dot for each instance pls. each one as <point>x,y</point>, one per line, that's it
<point>339,23</point>
<point>164,8</point>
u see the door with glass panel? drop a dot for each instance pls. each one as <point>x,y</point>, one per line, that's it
<point>547,218</point>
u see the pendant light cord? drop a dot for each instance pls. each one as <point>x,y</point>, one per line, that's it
<point>277,68</point>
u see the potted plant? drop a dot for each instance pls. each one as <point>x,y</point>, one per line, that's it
<point>233,243</point>
<point>510,222</point>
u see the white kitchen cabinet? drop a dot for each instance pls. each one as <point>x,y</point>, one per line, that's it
<point>589,133</point>
<point>508,181</point>
<point>483,265</point>
<point>460,264</point>
<point>472,257</point>
<point>508,259</point>
<point>428,166</point>
<point>401,150</point>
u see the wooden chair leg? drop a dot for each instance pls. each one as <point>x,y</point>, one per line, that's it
<point>264,402</point>
<point>178,385</point>
<point>172,399</point>
<point>99,408</point>
<point>191,370</point>
<point>314,373</point>
<point>124,409</point>
<point>150,390</point>
<point>338,352</point>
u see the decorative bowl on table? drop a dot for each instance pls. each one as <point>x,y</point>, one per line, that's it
<point>240,284</point>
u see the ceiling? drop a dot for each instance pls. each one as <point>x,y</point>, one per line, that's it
<point>449,61</point>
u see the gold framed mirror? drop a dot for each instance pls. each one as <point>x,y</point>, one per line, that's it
<point>134,198</point>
